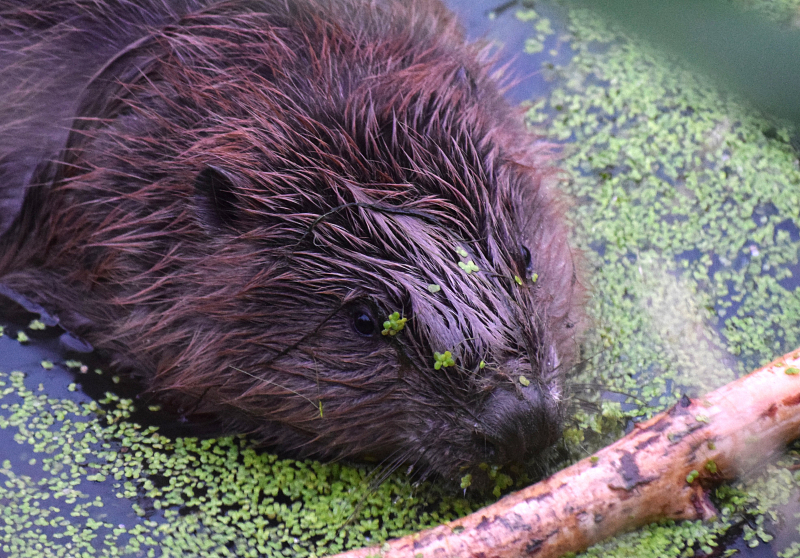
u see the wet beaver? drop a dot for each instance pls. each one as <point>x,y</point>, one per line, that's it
<point>243,200</point>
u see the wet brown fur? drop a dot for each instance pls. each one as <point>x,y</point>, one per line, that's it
<point>214,190</point>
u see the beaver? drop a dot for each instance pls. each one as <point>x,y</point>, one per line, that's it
<point>317,220</point>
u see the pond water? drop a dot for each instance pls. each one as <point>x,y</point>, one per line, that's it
<point>685,204</point>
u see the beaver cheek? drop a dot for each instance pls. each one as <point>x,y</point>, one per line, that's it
<point>520,424</point>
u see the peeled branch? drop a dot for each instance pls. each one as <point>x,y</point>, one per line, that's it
<point>663,469</point>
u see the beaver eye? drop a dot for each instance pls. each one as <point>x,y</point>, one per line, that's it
<point>363,323</point>
<point>526,257</point>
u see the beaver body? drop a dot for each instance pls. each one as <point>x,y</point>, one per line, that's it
<point>231,197</point>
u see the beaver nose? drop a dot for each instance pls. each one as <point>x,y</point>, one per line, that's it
<point>519,424</point>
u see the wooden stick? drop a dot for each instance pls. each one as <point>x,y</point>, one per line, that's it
<point>662,469</point>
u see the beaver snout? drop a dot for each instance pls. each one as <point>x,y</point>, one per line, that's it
<point>518,423</point>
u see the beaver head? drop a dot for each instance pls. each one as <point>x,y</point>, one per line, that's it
<point>319,221</point>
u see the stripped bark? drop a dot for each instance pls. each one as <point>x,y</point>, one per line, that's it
<point>643,477</point>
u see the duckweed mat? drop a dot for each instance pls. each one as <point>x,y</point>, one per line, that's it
<point>685,205</point>
<point>78,477</point>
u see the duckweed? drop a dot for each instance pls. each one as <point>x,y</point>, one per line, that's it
<point>443,360</point>
<point>80,463</point>
<point>687,211</point>
<point>394,324</point>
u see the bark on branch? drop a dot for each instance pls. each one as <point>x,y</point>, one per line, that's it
<point>637,480</point>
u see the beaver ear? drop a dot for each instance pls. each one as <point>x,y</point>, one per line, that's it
<point>215,194</point>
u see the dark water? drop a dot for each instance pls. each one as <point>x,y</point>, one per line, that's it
<point>496,23</point>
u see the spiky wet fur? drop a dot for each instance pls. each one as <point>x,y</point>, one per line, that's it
<point>355,147</point>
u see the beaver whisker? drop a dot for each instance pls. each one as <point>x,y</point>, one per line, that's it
<point>316,404</point>
<point>583,404</point>
<point>375,207</point>
<point>577,366</point>
<point>375,479</point>
<point>599,387</point>
<point>389,465</point>
<point>196,404</point>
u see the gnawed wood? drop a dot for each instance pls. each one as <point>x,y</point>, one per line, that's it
<point>637,480</point>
